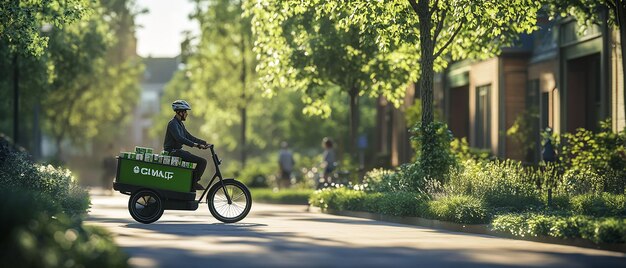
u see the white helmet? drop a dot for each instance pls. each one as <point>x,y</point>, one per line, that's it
<point>180,105</point>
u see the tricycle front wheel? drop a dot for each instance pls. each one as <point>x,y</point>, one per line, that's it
<point>145,206</point>
<point>239,205</point>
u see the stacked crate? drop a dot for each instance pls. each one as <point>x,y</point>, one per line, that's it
<point>147,155</point>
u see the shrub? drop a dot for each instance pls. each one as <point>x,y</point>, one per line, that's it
<point>539,225</point>
<point>380,180</point>
<point>337,198</point>
<point>510,223</point>
<point>600,153</point>
<point>402,204</point>
<point>571,227</point>
<point>458,208</point>
<point>600,205</point>
<point>581,180</point>
<point>57,185</point>
<point>283,196</point>
<point>32,237</point>
<point>395,203</point>
<point>499,184</point>
<point>462,151</point>
<point>406,178</point>
<point>610,230</point>
<point>604,230</point>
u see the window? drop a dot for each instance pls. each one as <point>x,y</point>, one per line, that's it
<point>483,117</point>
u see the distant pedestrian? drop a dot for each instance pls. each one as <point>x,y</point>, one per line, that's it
<point>286,164</point>
<point>329,162</point>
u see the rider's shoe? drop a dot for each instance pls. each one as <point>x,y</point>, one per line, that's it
<point>197,186</point>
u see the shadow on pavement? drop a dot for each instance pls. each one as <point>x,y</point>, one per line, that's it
<point>272,248</point>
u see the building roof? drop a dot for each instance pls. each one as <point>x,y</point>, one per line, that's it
<point>159,70</point>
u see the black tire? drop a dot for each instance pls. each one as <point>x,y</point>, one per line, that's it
<point>218,204</point>
<point>145,206</point>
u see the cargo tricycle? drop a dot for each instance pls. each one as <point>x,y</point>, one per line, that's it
<point>155,187</point>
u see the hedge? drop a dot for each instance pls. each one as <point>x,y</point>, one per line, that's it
<point>598,230</point>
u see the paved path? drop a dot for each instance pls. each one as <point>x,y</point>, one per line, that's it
<point>288,236</point>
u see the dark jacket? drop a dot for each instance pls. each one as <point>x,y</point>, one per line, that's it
<point>176,135</point>
<point>548,154</point>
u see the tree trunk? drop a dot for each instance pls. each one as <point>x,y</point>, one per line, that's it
<point>243,97</point>
<point>427,49</point>
<point>354,121</point>
<point>16,100</point>
<point>621,21</point>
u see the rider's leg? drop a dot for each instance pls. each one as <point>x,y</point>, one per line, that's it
<point>189,157</point>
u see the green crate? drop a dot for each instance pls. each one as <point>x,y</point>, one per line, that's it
<point>153,175</point>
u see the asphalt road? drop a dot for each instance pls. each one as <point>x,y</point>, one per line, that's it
<point>289,236</point>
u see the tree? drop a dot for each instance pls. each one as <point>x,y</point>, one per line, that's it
<point>218,76</point>
<point>304,48</point>
<point>20,27</point>
<point>21,21</point>
<point>96,76</point>
<point>86,78</point>
<point>597,12</point>
<point>440,31</point>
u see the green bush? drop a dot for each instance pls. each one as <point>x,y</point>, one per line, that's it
<point>599,205</point>
<point>401,204</point>
<point>18,173</point>
<point>610,230</point>
<point>581,180</point>
<point>600,157</point>
<point>395,203</point>
<point>32,237</point>
<point>571,227</point>
<point>338,198</point>
<point>462,151</point>
<point>282,196</point>
<point>603,230</point>
<point>459,209</point>
<point>406,178</point>
<point>499,183</point>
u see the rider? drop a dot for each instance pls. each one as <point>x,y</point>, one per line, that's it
<point>176,135</point>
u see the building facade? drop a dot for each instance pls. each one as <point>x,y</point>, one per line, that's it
<point>562,76</point>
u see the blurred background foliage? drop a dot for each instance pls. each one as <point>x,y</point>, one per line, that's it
<point>219,76</point>
<point>81,80</point>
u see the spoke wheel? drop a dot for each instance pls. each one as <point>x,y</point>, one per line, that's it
<point>145,206</point>
<point>237,209</point>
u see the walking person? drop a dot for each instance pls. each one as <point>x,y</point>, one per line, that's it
<point>329,160</point>
<point>176,135</point>
<point>286,164</point>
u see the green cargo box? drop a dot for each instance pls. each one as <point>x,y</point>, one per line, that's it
<point>153,175</point>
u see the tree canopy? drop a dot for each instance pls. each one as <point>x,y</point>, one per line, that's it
<point>306,49</point>
<point>21,22</point>
<point>85,77</point>
<point>211,80</point>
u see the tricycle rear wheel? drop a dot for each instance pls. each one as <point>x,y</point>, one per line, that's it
<point>145,206</point>
<point>237,209</point>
